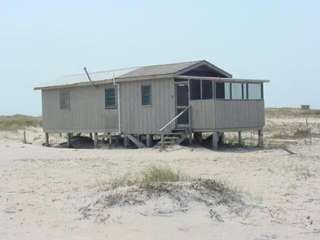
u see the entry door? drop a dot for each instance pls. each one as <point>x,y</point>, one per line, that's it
<point>182,101</point>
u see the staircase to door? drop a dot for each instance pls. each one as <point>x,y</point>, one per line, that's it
<point>182,120</point>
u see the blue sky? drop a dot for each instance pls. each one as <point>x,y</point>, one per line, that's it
<point>274,39</point>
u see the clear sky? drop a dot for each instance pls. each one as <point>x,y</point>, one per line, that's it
<point>277,40</point>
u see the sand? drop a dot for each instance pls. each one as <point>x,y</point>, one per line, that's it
<point>42,190</point>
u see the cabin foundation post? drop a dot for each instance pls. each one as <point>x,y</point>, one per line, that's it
<point>46,139</point>
<point>125,141</point>
<point>221,138</point>
<point>149,140</point>
<point>110,140</point>
<point>95,139</point>
<point>215,140</point>
<point>69,135</point>
<point>239,138</point>
<point>190,136</point>
<point>260,138</point>
<point>162,142</point>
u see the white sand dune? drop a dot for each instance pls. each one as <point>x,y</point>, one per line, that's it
<point>42,190</point>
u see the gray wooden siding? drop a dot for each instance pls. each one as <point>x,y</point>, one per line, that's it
<point>239,114</point>
<point>87,112</point>
<point>203,114</point>
<point>139,119</point>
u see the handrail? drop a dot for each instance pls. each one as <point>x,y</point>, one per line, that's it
<point>173,119</point>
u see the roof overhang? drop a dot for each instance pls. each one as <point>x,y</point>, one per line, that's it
<point>107,81</point>
<point>218,79</point>
<point>205,63</point>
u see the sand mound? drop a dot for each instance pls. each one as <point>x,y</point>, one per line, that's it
<point>165,199</point>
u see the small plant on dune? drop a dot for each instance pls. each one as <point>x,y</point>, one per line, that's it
<point>155,174</point>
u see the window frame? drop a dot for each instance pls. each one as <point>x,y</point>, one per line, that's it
<point>191,91</point>
<point>232,92</point>
<point>142,95</point>
<point>216,89</point>
<point>63,95</point>
<point>113,106</point>
<point>261,92</point>
<point>212,90</point>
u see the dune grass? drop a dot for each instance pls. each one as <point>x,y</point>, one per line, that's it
<point>291,112</point>
<point>15,122</point>
<point>155,174</point>
<point>152,174</point>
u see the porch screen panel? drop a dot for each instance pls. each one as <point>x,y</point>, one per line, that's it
<point>219,90</point>
<point>255,91</point>
<point>236,91</point>
<point>195,89</point>
<point>206,89</point>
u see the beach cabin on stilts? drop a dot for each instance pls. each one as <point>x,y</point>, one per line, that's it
<point>170,102</point>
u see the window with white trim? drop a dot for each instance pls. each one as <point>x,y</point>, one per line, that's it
<point>146,95</point>
<point>110,97</point>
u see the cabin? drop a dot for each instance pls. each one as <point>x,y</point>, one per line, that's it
<point>169,102</point>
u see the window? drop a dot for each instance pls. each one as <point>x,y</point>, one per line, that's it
<point>206,89</point>
<point>110,97</point>
<point>195,91</point>
<point>146,95</point>
<point>219,90</point>
<point>236,90</point>
<point>64,99</point>
<point>223,90</point>
<point>255,91</point>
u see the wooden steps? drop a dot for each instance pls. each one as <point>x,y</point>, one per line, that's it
<point>175,137</point>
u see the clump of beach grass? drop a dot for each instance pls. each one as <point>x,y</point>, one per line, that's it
<point>151,175</point>
<point>156,174</point>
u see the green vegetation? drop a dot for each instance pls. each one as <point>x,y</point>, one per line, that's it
<point>153,174</point>
<point>160,174</point>
<point>15,122</point>
<point>291,112</point>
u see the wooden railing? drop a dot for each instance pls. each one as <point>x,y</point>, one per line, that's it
<point>174,118</point>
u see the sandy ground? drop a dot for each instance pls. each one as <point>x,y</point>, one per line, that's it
<point>42,190</point>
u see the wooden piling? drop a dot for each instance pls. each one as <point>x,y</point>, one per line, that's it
<point>240,138</point>
<point>215,140</point>
<point>95,140</point>
<point>46,139</point>
<point>149,140</point>
<point>69,135</point>
<point>260,138</point>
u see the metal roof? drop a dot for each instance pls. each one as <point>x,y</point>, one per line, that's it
<point>81,78</point>
<point>159,69</point>
<point>127,73</point>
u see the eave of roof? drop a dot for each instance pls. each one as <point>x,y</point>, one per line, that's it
<point>130,74</point>
<point>219,79</point>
